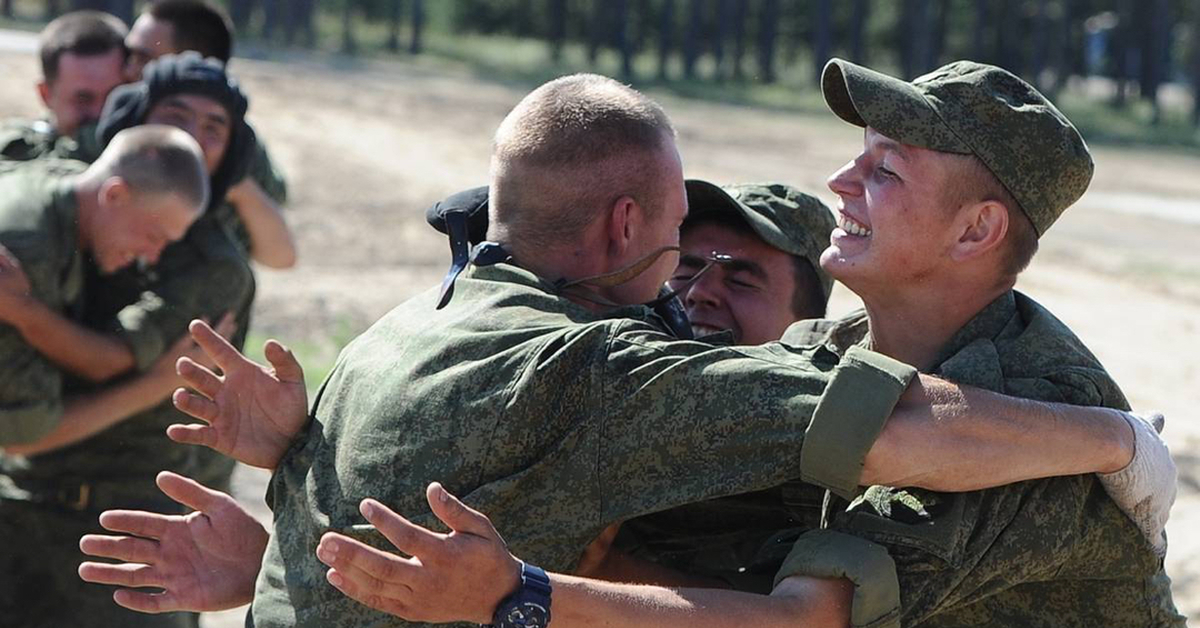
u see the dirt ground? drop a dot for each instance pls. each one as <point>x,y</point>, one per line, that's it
<point>368,145</point>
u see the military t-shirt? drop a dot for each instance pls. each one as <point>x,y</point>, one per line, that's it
<point>554,420</point>
<point>1050,552</point>
<point>38,225</point>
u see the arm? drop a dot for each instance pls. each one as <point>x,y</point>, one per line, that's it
<point>271,241</point>
<point>947,437</point>
<point>464,575</point>
<point>72,347</point>
<point>203,561</point>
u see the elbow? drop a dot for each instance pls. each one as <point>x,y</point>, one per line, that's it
<point>279,258</point>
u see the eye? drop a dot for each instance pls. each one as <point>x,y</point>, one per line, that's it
<point>886,173</point>
<point>681,277</point>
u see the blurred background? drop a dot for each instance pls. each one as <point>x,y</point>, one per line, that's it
<point>375,109</point>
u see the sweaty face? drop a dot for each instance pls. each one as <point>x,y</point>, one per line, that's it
<point>894,228</point>
<point>77,95</point>
<point>752,296</point>
<point>202,117</point>
<point>140,226</point>
<point>148,40</point>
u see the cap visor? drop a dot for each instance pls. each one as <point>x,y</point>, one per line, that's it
<point>893,107</point>
<point>706,199</point>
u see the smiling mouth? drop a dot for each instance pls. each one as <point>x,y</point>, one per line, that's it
<point>700,329</point>
<point>851,227</point>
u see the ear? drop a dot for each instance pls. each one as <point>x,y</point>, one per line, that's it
<point>43,90</point>
<point>624,219</point>
<point>115,193</point>
<point>984,226</point>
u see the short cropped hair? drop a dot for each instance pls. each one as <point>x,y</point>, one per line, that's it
<point>974,183</point>
<point>158,159</point>
<point>196,25</point>
<point>84,33</point>
<point>569,150</point>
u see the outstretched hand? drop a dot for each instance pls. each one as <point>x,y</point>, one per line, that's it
<point>252,411</point>
<point>461,576</point>
<point>204,561</point>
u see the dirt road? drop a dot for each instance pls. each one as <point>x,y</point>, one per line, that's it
<point>368,145</point>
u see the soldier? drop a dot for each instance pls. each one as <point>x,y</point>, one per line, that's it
<point>143,192</point>
<point>83,59</point>
<point>962,171</point>
<point>252,213</point>
<point>548,394</point>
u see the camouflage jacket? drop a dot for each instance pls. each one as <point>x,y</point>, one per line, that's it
<point>38,225</point>
<point>26,140</point>
<point>554,420</point>
<point>1051,552</point>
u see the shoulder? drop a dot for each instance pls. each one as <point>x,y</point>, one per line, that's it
<point>838,334</point>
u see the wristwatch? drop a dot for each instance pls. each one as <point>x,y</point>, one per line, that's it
<point>529,605</point>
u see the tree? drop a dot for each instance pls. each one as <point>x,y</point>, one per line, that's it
<point>692,37</point>
<point>822,37</point>
<point>666,37</point>
<point>596,30</point>
<point>418,25</point>
<point>558,28</point>
<point>741,8</point>
<point>767,29</point>
<point>982,20</point>
<point>621,39</point>
<point>239,13</point>
<point>6,8</point>
<point>349,45</point>
<point>395,10</point>
<point>1155,51</point>
<point>858,22</point>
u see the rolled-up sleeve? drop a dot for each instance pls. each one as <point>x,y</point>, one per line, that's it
<point>831,554</point>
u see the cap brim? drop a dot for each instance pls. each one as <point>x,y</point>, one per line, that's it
<point>895,108</point>
<point>706,199</point>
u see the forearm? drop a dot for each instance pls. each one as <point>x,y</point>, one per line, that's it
<point>618,566</point>
<point>87,415</point>
<point>582,603</point>
<point>72,347</point>
<point>947,437</point>
<point>270,239</point>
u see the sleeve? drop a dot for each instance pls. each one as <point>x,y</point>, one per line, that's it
<point>266,175</point>
<point>200,276</point>
<point>952,550</point>
<point>830,554</point>
<point>685,421</point>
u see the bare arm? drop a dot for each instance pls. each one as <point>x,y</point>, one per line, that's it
<point>271,241</point>
<point>947,437</point>
<point>462,576</point>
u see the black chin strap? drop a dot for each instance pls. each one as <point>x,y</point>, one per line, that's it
<point>456,227</point>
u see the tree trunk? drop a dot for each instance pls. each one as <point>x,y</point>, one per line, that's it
<point>914,37</point>
<point>270,18</point>
<point>666,39</point>
<point>620,25</point>
<point>741,8</point>
<point>558,28</point>
<point>692,37</point>
<point>1195,63</point>
<point>395,10</point>
<point>1122,45</point>
<point>822,37</point>
<point>858,24</point>
<point>937,38</point>
<point>767,29</point>
<point>239,13</point>
<point>725,16</point>
<point>596,30</point>
<point>122,9</point>
<point>982,19</point>
<point>349,45</point>
<point>1155,53</point>
<point>415,45</point>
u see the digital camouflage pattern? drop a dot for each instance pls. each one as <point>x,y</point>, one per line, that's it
<point>554,420</point>
<point>1052,552</point>
<point>783,216</point>
<point>25,140</point>
<point>38,225</point>
<point>973,109</point>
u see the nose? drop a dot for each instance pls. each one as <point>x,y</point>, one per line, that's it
<point>705,291</point>
<point>846,181</point>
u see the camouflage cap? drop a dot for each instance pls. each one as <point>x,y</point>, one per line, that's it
<point>783,216</point>
<point>977,109</point>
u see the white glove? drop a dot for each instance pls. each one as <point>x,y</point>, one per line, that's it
<point>1145,488</point>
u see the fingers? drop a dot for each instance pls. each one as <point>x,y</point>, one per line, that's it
<point>193,434</point>
<point>457,515</point>
<point>215,346</point>
<point>203,380</point>
<point>373,577</point>
<point>365,595</point>
<point>144,524</point>
<point>408,537</point>
<point>195,405</point>
<point>122,574</point>
<point>148,602</point>
<point>124,548</point>
<point>287,368</point>
<point>189,492</point>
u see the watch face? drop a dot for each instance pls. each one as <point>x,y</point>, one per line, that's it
<point>527,615</point>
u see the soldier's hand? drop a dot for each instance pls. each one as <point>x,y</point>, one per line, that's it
<point>252,411</point>
<point>1145,488</point>
<point>204,561</point>
<point>461,576</point>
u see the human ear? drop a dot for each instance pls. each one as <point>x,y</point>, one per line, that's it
<point>43,90</point>
<point>983,229</point>
<point>622,224</point>
<point>115,193</point>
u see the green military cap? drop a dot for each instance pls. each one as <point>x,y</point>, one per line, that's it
<point>783,216</point>
<point>973,109</point>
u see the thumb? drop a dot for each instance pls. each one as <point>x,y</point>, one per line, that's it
<point>458,516</point>
<point>188,492</point>
<point>287,368</point>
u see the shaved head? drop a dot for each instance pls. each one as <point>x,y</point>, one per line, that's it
<point>157,159</point>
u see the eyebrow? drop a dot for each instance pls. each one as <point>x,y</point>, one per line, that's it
<point>892,147</point>
<point>745,266</point>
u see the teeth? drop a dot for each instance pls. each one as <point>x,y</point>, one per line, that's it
<point>851,227</point>
<point>704,330</point>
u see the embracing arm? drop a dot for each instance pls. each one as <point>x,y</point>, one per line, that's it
<point>271,241</point>
<point>92,355</point>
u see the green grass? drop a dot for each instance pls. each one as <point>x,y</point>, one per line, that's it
<point>316,355</point>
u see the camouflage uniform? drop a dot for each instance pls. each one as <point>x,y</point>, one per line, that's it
<point>554,420</point>
<point>1051,552</point>
<point>25,140</point>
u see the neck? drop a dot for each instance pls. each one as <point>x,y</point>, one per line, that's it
<point>567,263</point>
<point>913,325</point>
<point>87,191</point>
